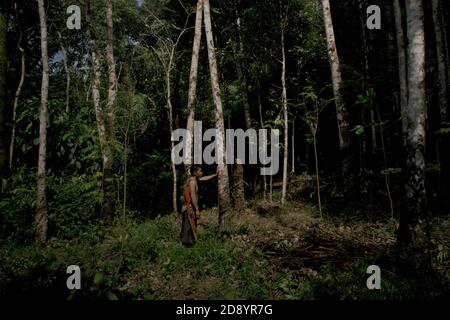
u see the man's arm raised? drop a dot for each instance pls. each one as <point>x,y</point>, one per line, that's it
<point>206,178</point>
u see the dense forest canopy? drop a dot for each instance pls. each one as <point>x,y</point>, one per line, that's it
<point>91,91</point>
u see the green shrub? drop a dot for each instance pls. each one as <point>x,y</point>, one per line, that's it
<point>18,207</point>
<point>73,205</point>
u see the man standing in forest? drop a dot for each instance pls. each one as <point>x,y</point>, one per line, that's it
<point>191,212</point>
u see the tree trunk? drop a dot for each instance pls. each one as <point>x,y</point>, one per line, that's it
<point>126,139</point>
<point>41,213</point>
<point>271,188</point>
<point>66,69</point>
<point>402,74</point>
<point>443,141</point>
<point>192,93</point>
<point>224,190</point>
<point>238,187</point>
<point>447,52</point>
<point>107,180</point>
<point>366,82</point>
<point>18,90</point>
<point>341,112</point>
<point>108,208</point>
<point>285,112</point>
<point>387,178</point>
<point>170,110</point>
<point>261,122</point>
<point>413,237</point>
<point>442,69</point>
<point>3,66</point>
<point>238,174</point>
<point>293,147</point>
<point>316,161</point>
<point>112,78</point>
<point>239,54</point>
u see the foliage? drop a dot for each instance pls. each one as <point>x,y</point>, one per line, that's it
<point>134,260</point>
<point>17,205</point>
<point>73,205</point>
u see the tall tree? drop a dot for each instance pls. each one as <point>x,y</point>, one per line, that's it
<point>224,189</point>
<point>413,235</point>
<point>192,91</point>
<point>283,21</point>
<point>261,123</point>
<point>402,74</point>
<point>336,77</point>
<point>238,171</point>
<point>66,70</point>
<point>41,214</point>
<point>107,183</point>
<point>19,88</point>
<point>239,54</point>
<point>108,208</point>
<point>112,78</point>
<point>442,68</point>
<point>3,63</point>
<point>166,54</point>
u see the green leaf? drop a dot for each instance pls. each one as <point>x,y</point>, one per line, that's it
<point>111,296</point>
<point>99,278</point>
<point>444,130</point>
<point>391,171</point>
<point>358,130</point>
<point>147,296</point>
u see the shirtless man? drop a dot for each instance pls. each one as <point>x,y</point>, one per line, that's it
<point>192,210</point>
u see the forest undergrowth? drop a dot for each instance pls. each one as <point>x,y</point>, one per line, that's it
<point>271,252</point>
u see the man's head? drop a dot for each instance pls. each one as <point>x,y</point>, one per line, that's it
<point>196,171</point>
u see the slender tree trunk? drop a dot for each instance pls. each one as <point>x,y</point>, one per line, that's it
<point>108,208</point>
<point>402,73</point>
<point>239,54</point>
<point>443,141</point>
<point>18,90</point>
<point>413,237</point>
<point>224,190</point>
<point>285,113</point>
<point>293,147</point>
<point>442,68</point>
<point>3,66</point>
<point>166,56</point>
<point>41,213</point>
<point>261,121</point>
<point>125,152</point>
<point>238,194</point>
<point>387,176</point>
<point>66,69</point>
<point>316,160</point>
<point>170,110</point>
<point>107,181</point>
<point>341,112</point>
<point>365,47</point>
<point>112,78</point>
<point>192,93</point>
<point>374,135</point>
<point>238,173</point>
<point>363,162</point>
<point>366,77</point>
<point>447,52</point>
<point>271,188</point>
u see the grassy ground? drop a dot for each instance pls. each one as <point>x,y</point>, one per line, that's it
<point>271,253</point>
